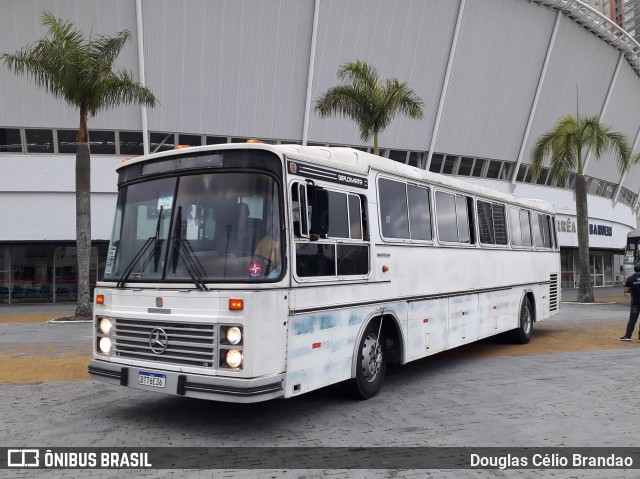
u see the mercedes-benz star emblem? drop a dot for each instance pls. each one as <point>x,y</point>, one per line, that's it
<point>158,340</point>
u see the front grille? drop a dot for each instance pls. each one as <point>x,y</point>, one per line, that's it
<point>553,293</point>
<point>187,344</point>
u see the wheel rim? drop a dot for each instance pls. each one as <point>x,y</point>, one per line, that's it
<point>371,358</point>
<point>526,320</point>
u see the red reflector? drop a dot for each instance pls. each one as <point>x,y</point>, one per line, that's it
<point>100,299</point>
<point>316,345</point>
<point>495,307</point>
<point>236,304</point>
<point>425,320</point>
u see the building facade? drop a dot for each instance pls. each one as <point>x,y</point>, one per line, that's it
<point>494,75</point>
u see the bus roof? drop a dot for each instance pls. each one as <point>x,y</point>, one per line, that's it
<point>356,161</point>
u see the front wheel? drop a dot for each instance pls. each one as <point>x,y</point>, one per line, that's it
<point>371,363</point>
<point>522,334</point>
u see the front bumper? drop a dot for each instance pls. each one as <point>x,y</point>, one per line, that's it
<point>192,385</point>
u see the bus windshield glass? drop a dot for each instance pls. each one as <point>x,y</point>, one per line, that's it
<point>205,227</point>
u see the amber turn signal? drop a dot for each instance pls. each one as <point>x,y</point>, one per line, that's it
<point>236,304</point>
<point>99,298</point>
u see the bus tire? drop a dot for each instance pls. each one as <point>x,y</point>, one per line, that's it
<point>371,363</point>
<point>522,334</point>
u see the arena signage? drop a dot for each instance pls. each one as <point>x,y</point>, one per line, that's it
<point>569,225</point>
<point>600,230</point>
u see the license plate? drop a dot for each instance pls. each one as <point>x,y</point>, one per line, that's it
<point>151,379</point>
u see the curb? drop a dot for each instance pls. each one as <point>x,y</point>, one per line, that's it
<point>591,304</point>
<point>55,321</point>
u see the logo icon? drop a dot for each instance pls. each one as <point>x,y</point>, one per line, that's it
<point>255,270</point>
<point>159,302</point>
<point>158,340</point>
<point>23,458</point>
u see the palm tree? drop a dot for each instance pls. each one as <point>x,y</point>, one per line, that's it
<point>80,72</point>
<point>564,145</point>
<point>368,102</point>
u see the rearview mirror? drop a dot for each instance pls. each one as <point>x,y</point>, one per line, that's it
<point>319,212</point>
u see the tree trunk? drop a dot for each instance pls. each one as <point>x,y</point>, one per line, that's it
<point>375,142</point>
<point>83,217</point>
<point>585,289</point>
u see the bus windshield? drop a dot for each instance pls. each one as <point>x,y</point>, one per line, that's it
<point>205,227</point>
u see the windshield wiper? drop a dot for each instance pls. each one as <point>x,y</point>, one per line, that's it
<point>151,240</point>
<point>183,249</point>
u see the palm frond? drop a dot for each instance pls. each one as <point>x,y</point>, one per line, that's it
<point>358,74</point>
<point>123,90</point>
<point>347,102</point>
<point>365,100</point>
<point>621,150</point>
<point>564,145</point>
<point>541,150</point>
<point>106,49</point>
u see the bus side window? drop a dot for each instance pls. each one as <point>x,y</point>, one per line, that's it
<point>419,213</point>
<point>542,231</point>
<point>454,216</point>
<point>466,224</point>
<point>525,228</point>
<point>394,214</point>
<point>355,217</point>
<point>492,223</point>
<point>500,224</point>
<point>514,226</point>
<point>300,209</point>
<point>295,210</point>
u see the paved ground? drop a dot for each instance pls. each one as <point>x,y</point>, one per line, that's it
<point>572,386</point>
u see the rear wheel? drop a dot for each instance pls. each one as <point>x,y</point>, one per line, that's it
<point>371,363</point>
<point>522,334</point>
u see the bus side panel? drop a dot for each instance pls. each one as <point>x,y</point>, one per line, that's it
<point>320,349</point>
<point>544,304</point>
<point>427,327</point>
<point>498,311</point>
<point>265,331</point>
<point>321,345</point>
<point>541,293</point>
<point>463,320</point>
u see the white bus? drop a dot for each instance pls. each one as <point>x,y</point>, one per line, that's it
<point>246,272</point>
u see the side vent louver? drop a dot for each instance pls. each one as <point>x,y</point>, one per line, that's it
<point>554,296</point>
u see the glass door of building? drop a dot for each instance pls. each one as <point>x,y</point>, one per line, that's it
<point>567,270</point>
<point>596,265</point>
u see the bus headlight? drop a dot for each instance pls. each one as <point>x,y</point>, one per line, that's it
<point>105,345</point>
<point>234,358</point>
<point>234,335</point>
<point>105,326</point>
